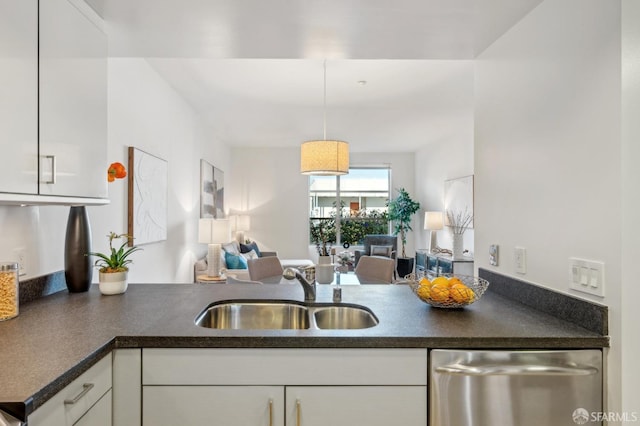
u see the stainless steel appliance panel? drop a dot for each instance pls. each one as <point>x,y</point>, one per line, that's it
<point>515,388</point>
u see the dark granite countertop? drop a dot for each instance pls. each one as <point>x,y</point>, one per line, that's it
<point>56,338</point>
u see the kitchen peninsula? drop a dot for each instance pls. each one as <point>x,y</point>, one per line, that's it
<point>58,337</point>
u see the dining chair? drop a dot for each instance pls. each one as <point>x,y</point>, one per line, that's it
<point>375,270</point>
<point>234,280</point>
<point>264,267</point>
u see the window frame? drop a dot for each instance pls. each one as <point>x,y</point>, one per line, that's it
<point>339,197</point>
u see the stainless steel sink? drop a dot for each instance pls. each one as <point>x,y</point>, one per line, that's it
<point>255,315</point>
<point>284,315</point>
<point>344,317</point>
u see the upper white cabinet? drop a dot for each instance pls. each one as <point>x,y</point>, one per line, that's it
<point>19,95</point>
<point>73,101</point>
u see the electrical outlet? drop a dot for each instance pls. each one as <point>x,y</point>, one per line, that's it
<point>493,254</point>
<point>520,258</point>
<point>20,256</point>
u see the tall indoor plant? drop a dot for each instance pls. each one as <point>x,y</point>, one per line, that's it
<point>401,209</point>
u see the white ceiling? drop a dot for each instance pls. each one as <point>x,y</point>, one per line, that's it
<point>253,69</point>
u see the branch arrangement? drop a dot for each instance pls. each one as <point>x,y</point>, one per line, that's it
<point>459,221</point>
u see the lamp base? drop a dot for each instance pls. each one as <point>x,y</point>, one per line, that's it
<point>213,260</point>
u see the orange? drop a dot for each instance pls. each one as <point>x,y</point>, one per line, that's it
<point>462,294</point>
<point>440,281</point>
<point>454,280</point>
<point>439,293</point>
<point>424,292</point>
<point>424,281</point>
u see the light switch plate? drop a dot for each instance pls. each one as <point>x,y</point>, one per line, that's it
<point>586,276</point>
<point>493,254</point>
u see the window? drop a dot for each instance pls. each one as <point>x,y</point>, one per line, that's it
<point>362,195</point>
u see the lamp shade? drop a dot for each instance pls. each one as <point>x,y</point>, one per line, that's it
<point>243,222</point>
<point>214,231</point>
<point>322,157</point>
<point>433,221</point>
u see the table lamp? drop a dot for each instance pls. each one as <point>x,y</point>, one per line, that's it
<point>242,225</point>
<point>433,221</point>
<point>214,232</point>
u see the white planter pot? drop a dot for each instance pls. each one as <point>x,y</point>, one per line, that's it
<point>324,273</point>
<point>324,260</point>
<point>113,283</point>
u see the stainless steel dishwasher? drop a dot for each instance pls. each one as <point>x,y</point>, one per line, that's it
<point>515,388</point>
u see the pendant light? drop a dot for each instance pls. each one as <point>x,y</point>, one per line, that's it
<point>324,157</point>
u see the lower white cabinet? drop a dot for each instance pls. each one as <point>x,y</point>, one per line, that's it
<point>280,405</point>
<point>356,405</point>
<point>211,405</point>
<point>86,401</point>
<point>278,387</point>
<point>99,414</point>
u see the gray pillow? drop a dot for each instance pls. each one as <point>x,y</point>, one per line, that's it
<point>381,251</point>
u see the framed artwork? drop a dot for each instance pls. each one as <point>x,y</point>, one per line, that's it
<point>148,193</point>
<point>211,191</point>
<point>458,197</point>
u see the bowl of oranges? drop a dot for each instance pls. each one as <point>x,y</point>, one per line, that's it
<point>448,291</point>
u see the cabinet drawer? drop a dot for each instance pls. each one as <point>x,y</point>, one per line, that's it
<point>86,390</point>
<point>284,366</point>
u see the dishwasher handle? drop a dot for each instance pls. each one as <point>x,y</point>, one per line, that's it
<point>516,370</point>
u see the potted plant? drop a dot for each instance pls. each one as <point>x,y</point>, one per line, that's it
<point>401,209</point>
<point>114,266</point>
<point>323,234</point>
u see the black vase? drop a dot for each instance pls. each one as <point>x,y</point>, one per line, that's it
<point>77,245</point>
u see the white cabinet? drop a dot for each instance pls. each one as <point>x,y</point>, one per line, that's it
<point>99,414</point>
<point>199,405</point>
<point>285,386</point>
<point>356,405</point>
<point>73,101</point>
<point>19,95</point>
<point>85,401</point>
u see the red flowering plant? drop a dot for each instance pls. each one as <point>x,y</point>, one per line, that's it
<point>116,171</point>
<point>117,259</point>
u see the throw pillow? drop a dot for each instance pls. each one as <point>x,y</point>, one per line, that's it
<point>235,261</point>
<point>250,255</point>
<point>231,247</point>
<point>246,248</point>
<point>381,251</point>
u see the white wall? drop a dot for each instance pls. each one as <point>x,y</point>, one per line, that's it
<point>146,113</point>
<point>630,204</point>
<point>267,185</point>
<point>449,157</point>
<point>548,151</point>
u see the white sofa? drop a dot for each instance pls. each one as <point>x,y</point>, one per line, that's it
<point>201,266</point>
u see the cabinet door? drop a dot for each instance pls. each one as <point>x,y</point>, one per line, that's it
<point>356,405</point>
<point>73,102</point>
<point>19,95</point>
<point>213,405</point>
<point>99,414</point>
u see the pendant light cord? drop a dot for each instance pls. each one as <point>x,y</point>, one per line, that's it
<point>324,124</point>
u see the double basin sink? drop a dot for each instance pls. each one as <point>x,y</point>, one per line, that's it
<point>284,315</point>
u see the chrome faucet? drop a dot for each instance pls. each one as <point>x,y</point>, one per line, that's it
<point>308,287</point>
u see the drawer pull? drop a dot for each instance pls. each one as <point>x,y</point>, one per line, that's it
<point>86,388</point>
<point>271,412</point>
<point>298,412</point>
